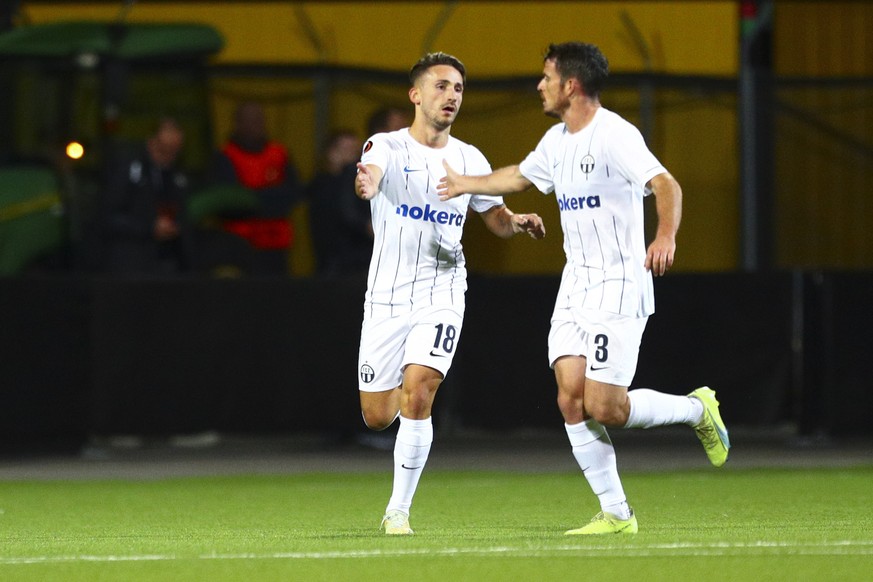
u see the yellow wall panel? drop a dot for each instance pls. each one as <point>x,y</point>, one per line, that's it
<point>492,38</point>
<point>823,38</point>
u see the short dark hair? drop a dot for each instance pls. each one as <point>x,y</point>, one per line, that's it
<point>336,135</point>
<point>164,122</point>
<point>433,59</point>
<point>379,118</point>
<point>581,61</point>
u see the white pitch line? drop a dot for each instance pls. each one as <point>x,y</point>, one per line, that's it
<point>84,558</point>
<point>759,548</point>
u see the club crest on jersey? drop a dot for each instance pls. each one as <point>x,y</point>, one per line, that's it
<point>428,214</point>
<point>587,164</point>
<point>566,204</point>
<point>367,374</point>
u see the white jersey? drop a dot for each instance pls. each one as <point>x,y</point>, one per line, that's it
<point>598,176</point>
<point>417,255</point>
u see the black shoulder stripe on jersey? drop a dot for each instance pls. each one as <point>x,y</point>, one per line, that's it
<point>417,261</point>
<point>378,262</point>
<point>396,269</point>
<point>623,270</point>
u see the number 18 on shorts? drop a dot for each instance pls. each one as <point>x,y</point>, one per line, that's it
<point>427,337</point>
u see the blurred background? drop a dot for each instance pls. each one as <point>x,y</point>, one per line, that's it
<point>762,110</point>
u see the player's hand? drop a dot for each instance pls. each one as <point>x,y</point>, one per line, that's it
<point>659,257</point>
<point>448,186</point>
<point>529,223</point>
<point>365,183</point>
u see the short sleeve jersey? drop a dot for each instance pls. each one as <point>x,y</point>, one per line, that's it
<point>598,176</point>
<point>417,256</point>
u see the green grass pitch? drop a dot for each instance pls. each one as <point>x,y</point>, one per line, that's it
<point>748,525</point>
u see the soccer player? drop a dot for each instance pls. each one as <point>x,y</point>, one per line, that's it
<point>599,168</point>
<point>414,304</point>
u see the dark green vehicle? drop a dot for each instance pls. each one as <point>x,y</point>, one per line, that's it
<point>75,92</point>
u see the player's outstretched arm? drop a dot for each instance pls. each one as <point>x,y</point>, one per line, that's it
<point>504,223</point>
<point>668,204</point>
<point>506,180</point>
<point>367,181</point>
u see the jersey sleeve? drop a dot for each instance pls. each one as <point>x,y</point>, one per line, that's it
<point>537,166</point>
<point>377,151</point>
<point>632,157</point>
<point>481,203</point>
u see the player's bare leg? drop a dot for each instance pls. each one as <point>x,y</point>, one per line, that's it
<point>581,398</point>
<point>380,409</point>
<point>412,447</point>
<point>608,404</point>
<point>420,384</point>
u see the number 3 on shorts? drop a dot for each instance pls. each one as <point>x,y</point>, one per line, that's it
<point>445,337</point>
<point>601,341</point>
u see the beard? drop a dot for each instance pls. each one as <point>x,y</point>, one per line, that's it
<point>554,111</point>
<point>442,122</point>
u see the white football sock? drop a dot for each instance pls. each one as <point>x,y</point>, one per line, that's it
<point>411,449</point>
<point>596,457</point>
<point>649,408</point>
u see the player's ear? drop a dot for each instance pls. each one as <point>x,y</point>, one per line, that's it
<point>578,87</point>
<point>414,95</point>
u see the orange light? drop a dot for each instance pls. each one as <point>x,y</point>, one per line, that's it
<point>75,150</point>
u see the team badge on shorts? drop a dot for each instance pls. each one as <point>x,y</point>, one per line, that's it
<point>367,374</point>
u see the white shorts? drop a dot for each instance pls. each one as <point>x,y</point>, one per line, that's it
<point>610,342</point>
<point>427,337</point>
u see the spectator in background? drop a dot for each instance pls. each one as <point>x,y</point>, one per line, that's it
<point>341,229</point>
<point>387,119</point>
<point>145,223</point>
<point>250,158</point>
<point>342,234</point>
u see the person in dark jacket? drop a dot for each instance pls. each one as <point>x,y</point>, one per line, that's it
<point>145,224</point>
<point>342,234</point>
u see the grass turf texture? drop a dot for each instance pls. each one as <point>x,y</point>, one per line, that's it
<point>715,524</point>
